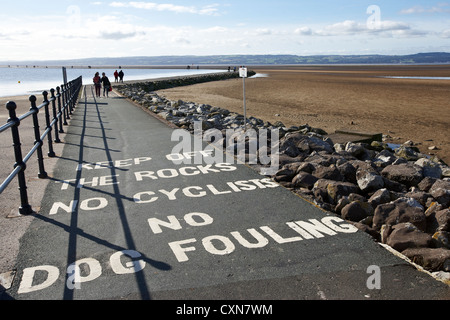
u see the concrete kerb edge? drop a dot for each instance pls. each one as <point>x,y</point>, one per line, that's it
<point>405,258</point>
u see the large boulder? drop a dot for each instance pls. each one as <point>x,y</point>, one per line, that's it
<point>430,169</point>
<point>348,172</point>
<point>407,153</point>
<point>440,191</point>
<point>380,196</point>
<point>304,180</point>
<point>438,220</point>
<point>296,143</point>
<point>356,211</point>
<point>355,149</point>
<point>331,191</point>
<point>393,213</point>
<point>441,239</point>
<point>429,258</point>
<point>405,173</point>
<point>329,173</point>
<point>426,184</point>
<point>285,174</point>
<point>335,189</point>
<point>406,235</point>
<point>369,181</point>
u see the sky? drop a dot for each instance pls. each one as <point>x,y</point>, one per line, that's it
<point>65,29</point>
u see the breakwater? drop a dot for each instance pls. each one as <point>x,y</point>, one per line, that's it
<point>173,82</point>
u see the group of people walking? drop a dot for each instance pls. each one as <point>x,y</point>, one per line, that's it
<point>104,80</point>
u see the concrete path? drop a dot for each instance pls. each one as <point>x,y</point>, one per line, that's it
<point>120,220</point>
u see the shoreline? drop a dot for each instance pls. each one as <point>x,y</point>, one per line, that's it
<point>155,67</point>
<point>225,65</point>
<point>31,86</point>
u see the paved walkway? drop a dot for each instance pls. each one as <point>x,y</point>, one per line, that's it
<point>120,220</point>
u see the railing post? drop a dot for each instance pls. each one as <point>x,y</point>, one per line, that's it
<point>37,138</point>
<point>58,94</point>
<point>51,153</point>
<point>25,208</point>
<point>74,95</point>
<point>66,92</point>
<point>63,94</point>
<point>55,116</point>
<point>69,92</point>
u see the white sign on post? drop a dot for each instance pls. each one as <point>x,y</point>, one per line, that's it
<point>243,75</point>
<point>64,75</point>
<point>243,72</point>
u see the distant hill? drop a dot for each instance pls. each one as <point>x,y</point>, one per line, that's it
<point>419,58</point>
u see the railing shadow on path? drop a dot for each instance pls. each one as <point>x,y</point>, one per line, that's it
<point>75,232</point>
<point>73,229</point>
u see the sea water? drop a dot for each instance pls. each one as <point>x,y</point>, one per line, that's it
<point>26,81</point>
<point>417,78</point>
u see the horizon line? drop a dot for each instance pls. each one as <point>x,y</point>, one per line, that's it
<point>230,55</point>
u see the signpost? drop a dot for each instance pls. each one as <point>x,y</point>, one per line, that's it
<point>64,75</point>
<point>243,75</point>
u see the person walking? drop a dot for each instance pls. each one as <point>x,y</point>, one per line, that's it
<point>97,84</point>
<point>121,74</point>
<point>116,76</point>
<point>106,85</point>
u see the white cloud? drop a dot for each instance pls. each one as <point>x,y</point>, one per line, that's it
<point>117,35</point>
<point>263,31</point>
<point>216,29</point>
<point>386,25</point>
<point>109,27</point>
<point>343,28</point>
<point>129,32</point>
<point>350,27</point>
<point>304,31</point>
<point>206,10</point>
<point>209,10</point>
<point>439,8</point>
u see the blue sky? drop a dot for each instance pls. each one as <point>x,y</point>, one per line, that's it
<point>64,29</point>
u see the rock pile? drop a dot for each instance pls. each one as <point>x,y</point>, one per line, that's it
<point>148,86</point>
<point>400,197</point>
<point>401,202</point>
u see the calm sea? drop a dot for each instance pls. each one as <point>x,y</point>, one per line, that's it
<point>25,81</point>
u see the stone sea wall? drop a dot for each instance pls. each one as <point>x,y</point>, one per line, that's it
<point>399,197</point>
<point>174,82</point>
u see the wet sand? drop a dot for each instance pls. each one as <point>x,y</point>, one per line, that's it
<point>333,98</point>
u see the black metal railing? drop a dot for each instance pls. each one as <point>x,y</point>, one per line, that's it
<point>62,105</point>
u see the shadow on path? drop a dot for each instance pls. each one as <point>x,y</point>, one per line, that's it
<point>73,229</point>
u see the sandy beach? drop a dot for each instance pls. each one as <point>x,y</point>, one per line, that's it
<point>355,98</point>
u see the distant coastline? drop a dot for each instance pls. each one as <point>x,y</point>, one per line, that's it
<point>236,60</point>
<point>16,81</point>
<point>122,66</point>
